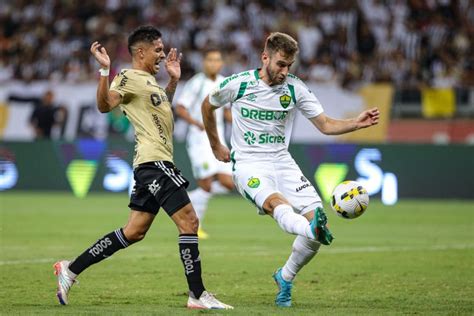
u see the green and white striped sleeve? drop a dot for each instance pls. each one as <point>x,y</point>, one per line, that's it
<point>225,92</point>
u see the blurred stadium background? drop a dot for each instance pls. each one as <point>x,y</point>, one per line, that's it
<point>414,59</point>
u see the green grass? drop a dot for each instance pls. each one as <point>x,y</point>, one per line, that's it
<point>413,258</point>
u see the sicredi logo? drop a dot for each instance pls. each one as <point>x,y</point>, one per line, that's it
<point>266,138</point>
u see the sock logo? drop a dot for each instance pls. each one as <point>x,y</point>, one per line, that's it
<point>187,261</point>
<point>100,246</point>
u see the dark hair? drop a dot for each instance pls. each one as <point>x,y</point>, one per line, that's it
<point>144,33</point>
<point>211,49</point>
<point>281,42</point>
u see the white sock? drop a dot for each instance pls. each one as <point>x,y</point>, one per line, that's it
<point>303,251</point>
<point>199,198</point>
<point>291,222</point>
<point>218,188</point>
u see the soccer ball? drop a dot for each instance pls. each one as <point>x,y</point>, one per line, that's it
<point>349,199</point>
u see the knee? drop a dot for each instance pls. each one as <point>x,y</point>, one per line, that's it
<point>205,184</point>
<point>273,201</point>
<point>134,235</point>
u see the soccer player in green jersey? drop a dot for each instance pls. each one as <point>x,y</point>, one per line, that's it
<point>264,102</point>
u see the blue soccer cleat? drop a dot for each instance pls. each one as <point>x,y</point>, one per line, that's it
<point>283,298</point>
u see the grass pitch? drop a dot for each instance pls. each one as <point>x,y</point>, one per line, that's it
<point>412,258</point>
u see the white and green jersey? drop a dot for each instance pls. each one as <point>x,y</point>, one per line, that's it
<point>263,115</point>
<point>194,92</point>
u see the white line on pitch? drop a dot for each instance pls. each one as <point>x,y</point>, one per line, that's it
<point>257,251</point>
<point>402,249</point>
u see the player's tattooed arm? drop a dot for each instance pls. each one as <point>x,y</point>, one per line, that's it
<point>171,89</point>
<point>221,152</point>
<point>173,67</point>
<point>330,126</point>
<point>106,99</point>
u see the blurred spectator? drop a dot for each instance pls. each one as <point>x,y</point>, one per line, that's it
<point>323,70</point>
<point>365,41</point>
<point>46,115</point>
<point>49,39</point>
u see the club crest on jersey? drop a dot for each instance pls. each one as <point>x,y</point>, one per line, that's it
<point>285,100</point>
<point>253,182</point>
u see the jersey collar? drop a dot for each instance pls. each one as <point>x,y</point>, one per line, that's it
<point>256,73</point>
<point>142,72</point>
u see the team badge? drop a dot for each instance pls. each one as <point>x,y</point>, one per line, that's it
<point>253,182</point>
<point>285,100</point>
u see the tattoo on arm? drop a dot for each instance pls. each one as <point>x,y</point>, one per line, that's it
<point>170,90</point>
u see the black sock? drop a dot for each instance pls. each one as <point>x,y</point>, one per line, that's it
<point>101,249</point>
<point>189,253</point>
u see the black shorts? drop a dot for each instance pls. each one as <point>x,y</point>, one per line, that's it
<point>158,184</point>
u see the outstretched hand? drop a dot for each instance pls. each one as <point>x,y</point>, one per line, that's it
<point>172,64</point>
<point>368,118</point>
<point>100,55</point>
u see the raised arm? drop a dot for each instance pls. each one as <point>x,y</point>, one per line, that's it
<point>106,100</point>
<point>221,152</point>
<point>330,126</point>
<point>173,67</point>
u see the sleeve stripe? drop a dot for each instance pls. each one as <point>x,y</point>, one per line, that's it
<point>256,74</point>
<point>292,92</point>
<point>243,87</point>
